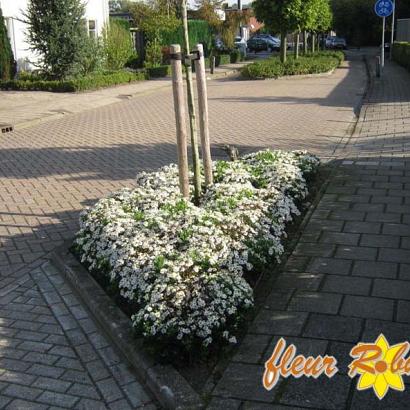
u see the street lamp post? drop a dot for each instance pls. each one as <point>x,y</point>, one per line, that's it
<point>392,30</point>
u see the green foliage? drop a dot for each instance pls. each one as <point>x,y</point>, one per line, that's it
<point>199,32</point>
<point>89,82</point>
<point>401,54</point>
<point>153,54</point>
<point>310,64</point>
<point>118,47</point>
<point>56,33</point>
<point>92,57</point>
<point>159,71</point>
<point>236,56</point>
<point>7,63</point>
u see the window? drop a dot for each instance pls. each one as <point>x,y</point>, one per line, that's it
<point>92,28</point>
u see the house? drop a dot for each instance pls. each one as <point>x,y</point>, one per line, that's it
<point>97,12</point>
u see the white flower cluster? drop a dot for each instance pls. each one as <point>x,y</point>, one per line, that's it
<point>182,265</point>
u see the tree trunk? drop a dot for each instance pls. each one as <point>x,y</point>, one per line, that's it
<point>313,41</point>
<point>283,47</point>
<point>305,42</point>
<point>191,109</point>
<point>296,46</point>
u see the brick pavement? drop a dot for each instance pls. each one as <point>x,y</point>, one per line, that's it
<point>50,350</point>
<point>348,279</point>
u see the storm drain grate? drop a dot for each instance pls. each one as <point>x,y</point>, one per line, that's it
<point>6,128</point>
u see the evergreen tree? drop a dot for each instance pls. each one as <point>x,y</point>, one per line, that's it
<point>7,63</point>
<point>57,34</point>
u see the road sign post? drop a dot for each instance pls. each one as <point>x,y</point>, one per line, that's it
<point>384,8</point>
<point>392,29</point>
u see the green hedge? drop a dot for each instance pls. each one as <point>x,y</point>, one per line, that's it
<point>199,32</point>
<point>401,54</point>
<point>90,82</point>
<point>157,72</point>
<point>315,63</point>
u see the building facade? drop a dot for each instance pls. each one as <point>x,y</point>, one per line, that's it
<point>97,14</point>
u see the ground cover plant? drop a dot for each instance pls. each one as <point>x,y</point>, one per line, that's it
<point>314,63</point>
<point>180,268</point>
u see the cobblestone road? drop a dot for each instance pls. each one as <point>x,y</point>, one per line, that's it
<point>51,354</point>
<point>348,279</point>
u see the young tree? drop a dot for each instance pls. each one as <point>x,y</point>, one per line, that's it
<point>7,63</point>
<point>281,16</point>
<point>307,20</point>
<point>324,17</point>
<point>56,33</point>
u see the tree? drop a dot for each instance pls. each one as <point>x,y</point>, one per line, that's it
<point>324,16</point>
<point>280,16</point>
<point>7,63</point>
<point>56,33</point>
<point>307,19</point>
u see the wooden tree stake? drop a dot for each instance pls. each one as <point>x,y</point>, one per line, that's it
<point>180,117</point>
<point>203,114</point>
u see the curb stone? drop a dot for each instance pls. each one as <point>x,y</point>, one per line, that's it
<point>167,385</point>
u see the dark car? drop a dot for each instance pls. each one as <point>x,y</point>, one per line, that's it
<point>263,43</point>
<point>338,43</point>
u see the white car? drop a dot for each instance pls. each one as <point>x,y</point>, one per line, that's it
<point>240,44</point>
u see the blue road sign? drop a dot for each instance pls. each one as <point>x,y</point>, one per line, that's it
<point>384,8</point>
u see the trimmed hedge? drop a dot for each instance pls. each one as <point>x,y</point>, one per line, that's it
<point>90,82</point>
<point>314,63</point>
<point>401,54</point>
<point>157,72</point>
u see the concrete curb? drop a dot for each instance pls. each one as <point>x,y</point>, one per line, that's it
<point>165,382</point>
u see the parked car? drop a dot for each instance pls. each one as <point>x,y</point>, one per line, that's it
<point>263,42</point>
<point>338,43</point>
<point>328,41</point>
<point>240,44</point>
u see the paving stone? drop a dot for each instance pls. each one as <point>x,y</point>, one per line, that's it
<point>347,285</point>
<point>243,382</point>
<point>296,263</point>
<point>403,311</point>
<point>393,331</point>
<point>380,241</point>
<point>367,400</point>
<point>278,299</point>
<point>395,229</point>
<point>252,348</point>
<point>340,238</point>
<point>47,383</point>
<point>343,329</point>
<point>86,352</point>
<point>58,399</point>
<point>311,393</point>
<point>4,401</point>
<point>109,389</point>
<point>317,225</point>
<point>308,281</point>
<point>25,405</point>
<point>392,289</point>
<point>272,322</point>
<point>394,255</point>
<point>10,376</point>
<point>76,376</point>
<point>314,249</point>
<point>362,227</point>
<point>226,404</point>
<point>375,269</point>
<point>47,371</point>
<point>319,302</point>
<point>356,253</point>
<point>69,363</point>
<point>122,373</point>
<point>35,346</point>
<point>97,370</point>
<point>84,391</point>
<point>329,266</point>
<point>21,392</point>
<point>374,207</point>
<point>136,394</point>
<point>88,404</point>
<point>404,271</point>
<point>367,307</point>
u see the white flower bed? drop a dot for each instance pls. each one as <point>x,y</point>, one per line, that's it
<point>182,265</point>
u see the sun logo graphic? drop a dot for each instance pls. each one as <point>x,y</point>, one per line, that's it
<point>380,366</point>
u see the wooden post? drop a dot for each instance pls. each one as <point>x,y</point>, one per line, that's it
<point>180,115</point>
<point>203,114</point>
<point>191,108</point>
<point>296,45</point>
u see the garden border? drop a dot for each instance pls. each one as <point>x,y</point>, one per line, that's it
<point>167,385</point>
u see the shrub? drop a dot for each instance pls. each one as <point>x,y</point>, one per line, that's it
<point>160,71</point>
<point>236,56</point>
<point>118,47</point>
<point>7,63</point>
<point>92,57</point>
<point>89,82</point>
<point>310,64</point>
<point>153,54</point>
<point>180,267</point>
<point>57,33</point>
<point>401,54</point>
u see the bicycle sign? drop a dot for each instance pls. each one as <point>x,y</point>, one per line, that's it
<point>384,8</point>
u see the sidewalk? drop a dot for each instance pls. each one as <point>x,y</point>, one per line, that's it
<point>24,109</point>
<point>348,280</point>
